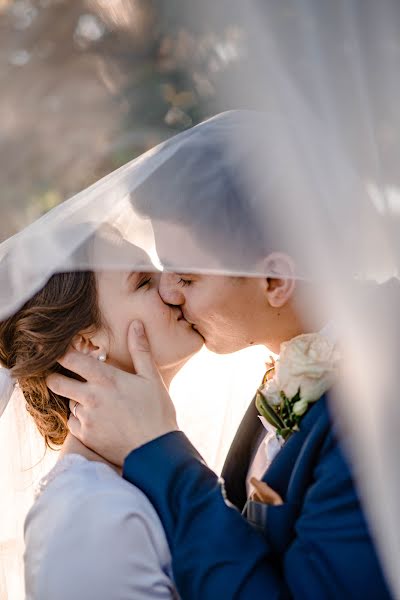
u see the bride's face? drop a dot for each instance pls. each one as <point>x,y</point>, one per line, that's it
<point>124,297</point>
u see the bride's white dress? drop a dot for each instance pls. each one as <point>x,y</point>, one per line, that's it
<point>91,535</point>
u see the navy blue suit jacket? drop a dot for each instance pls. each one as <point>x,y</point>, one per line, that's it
<point>315,545</point>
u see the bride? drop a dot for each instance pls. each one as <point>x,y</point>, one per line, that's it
<point>90,534</point>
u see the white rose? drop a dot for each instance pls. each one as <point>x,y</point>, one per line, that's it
<point>271,393</point>
<point>300,407</point>
<point>308,362</point>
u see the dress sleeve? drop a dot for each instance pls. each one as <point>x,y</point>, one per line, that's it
<point>107,550</point>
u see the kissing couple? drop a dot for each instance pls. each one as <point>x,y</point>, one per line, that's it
<point>92,335</point>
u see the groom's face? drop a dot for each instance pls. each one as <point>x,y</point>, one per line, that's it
<point>220,308</point>
<point>229,312</point>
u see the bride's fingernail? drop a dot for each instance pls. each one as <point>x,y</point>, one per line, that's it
<point>138,327</point>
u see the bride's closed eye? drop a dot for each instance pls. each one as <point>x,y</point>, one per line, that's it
<point>144,281</point>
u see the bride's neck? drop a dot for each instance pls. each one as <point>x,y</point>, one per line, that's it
<point>168,373</point>
<point>73,446</point>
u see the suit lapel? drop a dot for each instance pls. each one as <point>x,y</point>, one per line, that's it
<point>282,468</point>
<point>278,475</point>
<point>237,462</point>
<point>290,474</point>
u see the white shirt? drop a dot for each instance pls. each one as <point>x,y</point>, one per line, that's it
<point>92,535</point>
<point>267,450</point>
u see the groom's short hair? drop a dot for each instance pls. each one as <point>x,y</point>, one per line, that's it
<point>207,187</point>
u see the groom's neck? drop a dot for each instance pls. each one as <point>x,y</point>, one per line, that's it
<point>304,313</point>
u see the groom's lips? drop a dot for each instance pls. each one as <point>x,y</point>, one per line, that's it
<point>193,326</point>
<point>182,317</point>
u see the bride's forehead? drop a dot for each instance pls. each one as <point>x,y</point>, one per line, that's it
<point>119,254</point>
<point>115,281</point>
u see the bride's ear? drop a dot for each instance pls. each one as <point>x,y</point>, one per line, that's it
<point>280,278</point>
<point>92,344</point>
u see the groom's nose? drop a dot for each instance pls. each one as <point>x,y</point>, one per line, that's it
<point>169,289</point>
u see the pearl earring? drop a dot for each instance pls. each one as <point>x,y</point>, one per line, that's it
<point>102,357</point>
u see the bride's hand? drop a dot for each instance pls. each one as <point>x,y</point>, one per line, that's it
<point>114,412</point>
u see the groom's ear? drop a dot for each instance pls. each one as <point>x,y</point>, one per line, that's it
<point>280,279</point>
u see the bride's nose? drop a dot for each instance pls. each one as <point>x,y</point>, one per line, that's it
<point>169,289</point>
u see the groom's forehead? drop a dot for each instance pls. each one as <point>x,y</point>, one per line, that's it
<point>178,250</point>
<point>232,249</point>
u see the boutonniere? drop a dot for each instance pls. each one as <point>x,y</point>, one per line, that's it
<point>306,368</point>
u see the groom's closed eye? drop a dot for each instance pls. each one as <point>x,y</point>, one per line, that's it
<point>182,281</point>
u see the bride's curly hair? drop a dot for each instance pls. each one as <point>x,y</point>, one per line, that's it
<point>35,337</point>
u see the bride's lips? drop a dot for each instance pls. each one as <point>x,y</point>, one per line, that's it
<point>181,317</point>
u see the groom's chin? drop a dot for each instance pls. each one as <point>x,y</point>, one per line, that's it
<point>221,346</point>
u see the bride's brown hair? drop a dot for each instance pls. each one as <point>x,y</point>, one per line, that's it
<point>34,338</point>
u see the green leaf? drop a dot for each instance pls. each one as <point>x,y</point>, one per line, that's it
<point>268,412</point>
<point>285,432</point>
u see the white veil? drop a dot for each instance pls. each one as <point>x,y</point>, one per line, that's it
<point>314,174</point>
<point>23,462</point>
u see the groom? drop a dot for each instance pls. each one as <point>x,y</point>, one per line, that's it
<point>304,535</point>
<point>316,544</point>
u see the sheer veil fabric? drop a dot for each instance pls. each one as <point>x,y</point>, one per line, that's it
<point>313,173</point>
<point>23,462</point>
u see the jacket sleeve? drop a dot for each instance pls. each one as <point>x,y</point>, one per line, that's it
<point>215,552</point>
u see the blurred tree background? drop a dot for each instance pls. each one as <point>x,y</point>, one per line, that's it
<point>87,85</point>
